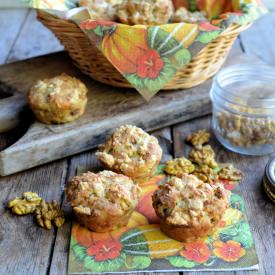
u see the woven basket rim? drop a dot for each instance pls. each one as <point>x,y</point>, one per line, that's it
<point>233,28</point>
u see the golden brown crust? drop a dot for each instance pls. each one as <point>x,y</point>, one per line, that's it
<point>132,152</point>
<point>189,207</point>
<point>104,201</point>
<point>58,100</point>
<point>101,9</point>
<point>145,12</point>
<point>183,15</point>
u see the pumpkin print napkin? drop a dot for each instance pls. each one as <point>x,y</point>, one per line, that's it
<point>141,246</point>
<point>150,56</point>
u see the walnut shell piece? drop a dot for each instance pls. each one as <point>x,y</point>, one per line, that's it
<point>25,204</point>
<point>145,12</point>
<point>179,166</point>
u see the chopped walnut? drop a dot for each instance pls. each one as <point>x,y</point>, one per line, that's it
<point>205,173</point>
<point>25,204</point>
<point>204,156</point>
<point>47,214</point>
<point>229,172</point>
<point>179,166</point>
<point>199,138</point>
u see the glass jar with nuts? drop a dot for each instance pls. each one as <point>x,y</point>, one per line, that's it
<point>243,98</point>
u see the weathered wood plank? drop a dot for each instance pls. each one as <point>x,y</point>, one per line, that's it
<point>33,40</point>
<point>11,21</point>
<point>108,107</point>
<point>89,162</point>
<point>260,211</point>
<point>25,247</point>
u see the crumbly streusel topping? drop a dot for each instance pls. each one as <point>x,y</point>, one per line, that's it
<point>92,193</point>
<point>145,12</point>
<point>129,146</point>
<point>188,201</point>
<point>62,91</point>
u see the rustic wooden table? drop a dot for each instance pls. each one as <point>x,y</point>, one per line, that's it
<point>28,249</point>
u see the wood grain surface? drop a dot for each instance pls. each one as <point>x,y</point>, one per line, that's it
<point>27,249</point>
<point>107,108</point>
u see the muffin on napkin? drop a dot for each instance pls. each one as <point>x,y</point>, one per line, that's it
<point>188,208</point>
<point>132,152</point>
<point>104,201</point>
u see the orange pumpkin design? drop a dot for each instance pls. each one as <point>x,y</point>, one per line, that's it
<point>125,46</point>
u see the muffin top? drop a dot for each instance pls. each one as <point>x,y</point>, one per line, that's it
<point>147,12</point>
<point>92,194</point>
<point>187,201</point>
<point>61,92</point>
<point>129,147</point>
<point>101,9</point>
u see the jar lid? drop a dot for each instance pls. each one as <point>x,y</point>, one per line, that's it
<point>269,179</point>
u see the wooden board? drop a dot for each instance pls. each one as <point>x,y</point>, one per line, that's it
<point>107,108</point>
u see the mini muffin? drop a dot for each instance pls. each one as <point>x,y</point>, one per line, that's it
<point>104,201</point>
<point>101,9</point>
<point>184,15</point>
<point>145,12</point>
<point>132,152</point>
<point>58,100</point>
<point>189,208</point>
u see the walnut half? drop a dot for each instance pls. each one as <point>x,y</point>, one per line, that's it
<point>25,204</point>
<point>47,214</point>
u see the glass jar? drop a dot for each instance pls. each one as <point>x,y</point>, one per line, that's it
<point>243,98</point>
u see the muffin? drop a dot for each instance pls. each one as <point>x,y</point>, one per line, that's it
<point>132,152</point>
<point>145,12</point>
<point>189,208</point>
<point>104,201</point>
<point>101,9</point>
<point>184,15</point>
<point>58,100</point>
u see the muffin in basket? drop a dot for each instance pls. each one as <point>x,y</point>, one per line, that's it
<point>58,100</point>
<point>101,9</point>
<point>104,201</point>
<point>145,12</point>
<point>132,152</point>
<point>189,208</point>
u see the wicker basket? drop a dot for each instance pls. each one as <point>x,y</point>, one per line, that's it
<point>93,63</point>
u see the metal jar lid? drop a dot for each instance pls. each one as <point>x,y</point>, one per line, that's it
<point>269,179</point>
